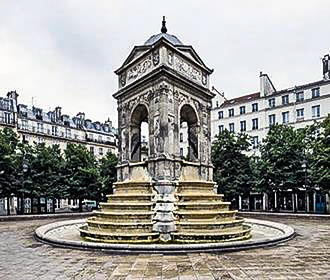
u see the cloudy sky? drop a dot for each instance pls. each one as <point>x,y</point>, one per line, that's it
<point>64,52</point>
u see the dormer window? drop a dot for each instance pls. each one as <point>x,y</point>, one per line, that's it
<point>315,92</point>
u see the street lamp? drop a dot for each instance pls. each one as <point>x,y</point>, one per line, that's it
<point>25,169</point>
<point>304,166</point>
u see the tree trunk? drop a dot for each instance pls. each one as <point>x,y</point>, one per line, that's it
<point>39,207</point>
<point>54,205</point>
<point>18,209</point>
<point>80,205</point>
<point>8,206</point>
<point>22,205</point>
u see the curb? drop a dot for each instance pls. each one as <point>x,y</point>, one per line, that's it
<point>284,215</point>
<point>41,234</point>
<point>44,216</point>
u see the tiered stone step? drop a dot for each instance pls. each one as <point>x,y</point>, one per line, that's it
<point>126,206</point>
<point>126,216</point>
<point>203,216</point>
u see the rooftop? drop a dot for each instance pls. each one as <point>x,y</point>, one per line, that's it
<point>171,38</point>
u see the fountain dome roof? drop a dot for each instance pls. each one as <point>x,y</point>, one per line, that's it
<point>169,37</point>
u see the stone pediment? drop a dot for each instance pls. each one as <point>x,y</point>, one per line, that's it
<point>182,59</point>
<point>135,53</point>
<point>191,54</point>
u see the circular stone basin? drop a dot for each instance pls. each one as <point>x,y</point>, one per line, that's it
<point>66,234</point>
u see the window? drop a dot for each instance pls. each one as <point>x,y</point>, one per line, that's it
<point>285,117</point>
<point>316,111</point>
<point>255,107</point>
<point>285,99</point>
<point>315,92</point>
<point>68,133</point>
<point>54,130</point>
<point>255,142</point>
<point>7,118</point>
<point>181,152</point>
<point>101,151</point>
<point>299,96</point>
<point>181,137</point>
<point>254,123</point>
<point>243,125</point>
<point>40,127</point>
<point>242,110</point>
<point>271,102</point>
<point>300,113</point>
<point>91,149</point>
<point>231,112</point>
<point>220,114</point>
<point>272,119</point>
<point>220,128</point>
<point>100,138</point>
<point>231,127</point>
<point>217,104</point>
<point>25,125</point>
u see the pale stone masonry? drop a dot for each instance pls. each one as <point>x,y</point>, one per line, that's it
<point>33,125</point>
<point>162,197</point>
<point>254,113</point>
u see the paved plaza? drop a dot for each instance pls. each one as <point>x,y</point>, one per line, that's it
<point>305,257</point>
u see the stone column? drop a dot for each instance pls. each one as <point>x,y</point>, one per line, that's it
<point>265,202</point>
<point>164,207</point>
<point>275,198</point>
<point>239,202</point>
<point>307,201</point>
<point>314,202</point>
<point>327,203</point>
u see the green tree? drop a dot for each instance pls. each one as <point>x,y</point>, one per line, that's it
<point>108,174</point>
<point>232,166</point>
<point>45,170</point>
<point>81,173</point>
<point>8,164</point>
<point>282,154</point>
<point>320,157</point>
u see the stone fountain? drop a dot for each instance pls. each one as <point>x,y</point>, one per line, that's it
<point>164,198</point>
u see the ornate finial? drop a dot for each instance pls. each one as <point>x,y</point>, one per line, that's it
<point>164,29</point>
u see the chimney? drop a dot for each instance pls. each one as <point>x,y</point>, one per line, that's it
<point>266,85</point>
<point>58,113</point>
<point>108,122</point>
<point>12,94</point>
<point>326,67</point>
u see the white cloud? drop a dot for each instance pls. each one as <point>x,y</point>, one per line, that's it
<point>64,52</point>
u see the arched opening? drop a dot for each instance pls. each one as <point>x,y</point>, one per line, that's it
<point>139,134</point>
<point>188,133</point>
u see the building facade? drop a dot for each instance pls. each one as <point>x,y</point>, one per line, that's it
<point>255,113</point>
<point>33,125</point>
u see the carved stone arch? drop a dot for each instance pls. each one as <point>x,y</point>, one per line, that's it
<point>188,114</point>
<point>194,109</point>
<point>139,114</point>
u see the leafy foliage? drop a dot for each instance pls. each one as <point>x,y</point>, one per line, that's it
<point>282,154</point>
<point>320,156</point>
<point>108,174</point>
<point>8,162</point>
<point>44,171</point>
<point>232,167</point>
<point>81,173</point>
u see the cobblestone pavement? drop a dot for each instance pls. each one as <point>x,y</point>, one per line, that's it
<point>305,257</point>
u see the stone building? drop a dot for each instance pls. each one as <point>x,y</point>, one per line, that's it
<point>254,113</point>
<point>163,197</point>
<point>34,125</point>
